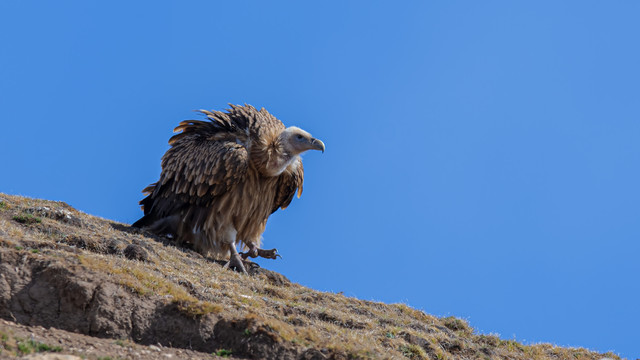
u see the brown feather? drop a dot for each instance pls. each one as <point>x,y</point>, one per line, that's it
<point>216,180</point>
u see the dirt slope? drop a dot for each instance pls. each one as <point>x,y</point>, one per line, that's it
<point>71,283</point>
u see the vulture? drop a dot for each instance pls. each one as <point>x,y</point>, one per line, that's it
<point>221,179</point>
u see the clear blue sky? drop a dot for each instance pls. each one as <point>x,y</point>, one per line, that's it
<point>482,157</point>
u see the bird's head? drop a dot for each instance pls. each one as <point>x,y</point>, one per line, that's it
<point>296,141</point>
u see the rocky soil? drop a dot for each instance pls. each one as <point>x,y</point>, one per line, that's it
<point>77,286</point>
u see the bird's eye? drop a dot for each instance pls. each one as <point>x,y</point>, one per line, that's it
<point>299,137</point>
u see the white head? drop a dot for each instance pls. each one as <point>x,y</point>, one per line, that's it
<point>296,141</point>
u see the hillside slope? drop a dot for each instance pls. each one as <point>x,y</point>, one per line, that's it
<point>77,284</point>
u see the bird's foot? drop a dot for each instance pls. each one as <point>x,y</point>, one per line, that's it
<point>235,263</point>
<point>267,254</point>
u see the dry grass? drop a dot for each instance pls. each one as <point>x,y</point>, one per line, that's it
<point>286,311</point>
<point>11,345</point>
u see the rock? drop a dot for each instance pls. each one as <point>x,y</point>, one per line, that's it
<point>58,214</point>
<point>136,252</point>
<point>115,246</point>
<point>50,356</point>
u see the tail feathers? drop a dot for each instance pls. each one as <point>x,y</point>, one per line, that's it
<point>148,218</point>
<point>163,226</point>
<point>142,222</point>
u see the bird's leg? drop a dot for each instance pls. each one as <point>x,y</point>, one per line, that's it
<point>255,251</point>
<point>235,261</point>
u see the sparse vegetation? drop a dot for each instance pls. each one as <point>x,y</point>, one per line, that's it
<point>148,283</point>
<point>263,307</point>
<point>456,324</point>
<point>413,352</point>
<point>18,346</point>
<point>27,219</point>
<point>224,353</point>
<point>121,342</point>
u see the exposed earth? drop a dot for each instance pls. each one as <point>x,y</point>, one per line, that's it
<point>78,286</point>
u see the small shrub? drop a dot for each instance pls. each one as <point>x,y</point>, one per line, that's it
<point>29,346</point>
<point>512,345</point>
<point>456,324</point>
<point>41,347</point>
<point>27,219</point>
<point>413,352</point>
<point>24,348</point>
<point>196,308</point>
<point>7,343</point>
<point>223,353</point>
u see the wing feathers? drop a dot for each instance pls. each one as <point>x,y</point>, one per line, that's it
<point>206,160</point>
<point>290,181</point>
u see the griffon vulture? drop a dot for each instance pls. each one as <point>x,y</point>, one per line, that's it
<point>222,178</point>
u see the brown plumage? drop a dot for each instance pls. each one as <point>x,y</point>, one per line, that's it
<point>222,178</point>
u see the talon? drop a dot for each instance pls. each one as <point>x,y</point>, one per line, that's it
<point>269,254</point>
<point>235,263</point>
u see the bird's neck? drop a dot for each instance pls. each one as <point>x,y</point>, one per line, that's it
<point>278,163</point>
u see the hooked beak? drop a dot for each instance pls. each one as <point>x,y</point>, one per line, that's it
<point>317,144</point>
